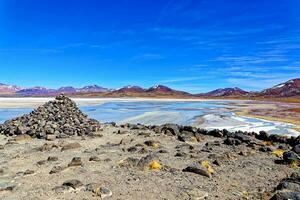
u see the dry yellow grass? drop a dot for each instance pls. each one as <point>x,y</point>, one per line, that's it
<point>278,152</point>
<point>206,164</point>
<point>154,165</point>
<point>294,164</point>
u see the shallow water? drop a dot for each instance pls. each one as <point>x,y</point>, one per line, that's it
<point>205,114</point>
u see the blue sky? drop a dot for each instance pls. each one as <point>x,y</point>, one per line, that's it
<point>191,45</point>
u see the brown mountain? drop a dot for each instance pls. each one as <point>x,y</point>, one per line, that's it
<point>155,91</point>
<point>224,92</point>
<point>6,90</point>
<point>290,88</point>
<point>130,89</point>
<point>161,89</point>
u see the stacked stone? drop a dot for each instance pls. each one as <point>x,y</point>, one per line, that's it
<point>59,118</point>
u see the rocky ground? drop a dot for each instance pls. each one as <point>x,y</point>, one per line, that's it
<point>142,162</point>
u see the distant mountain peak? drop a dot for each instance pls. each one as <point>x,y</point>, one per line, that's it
<point>131,86</point>
<point>290,88</point>
<point>160,88</point>
<point>92,88</point>
<point>130,89</point>
<point>6,89</point>
<point>235,91</point>
<point>286,89</point>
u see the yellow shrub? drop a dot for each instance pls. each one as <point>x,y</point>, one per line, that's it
<point>278,152</point>
<point>206,164</point>
<point>294,164</point>
<point>245,194</point>
<point>154,165</point>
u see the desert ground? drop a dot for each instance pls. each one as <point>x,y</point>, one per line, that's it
<point>244,172</point>
<point>56,152</point>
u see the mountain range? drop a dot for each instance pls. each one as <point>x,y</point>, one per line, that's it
<point>290,88</point>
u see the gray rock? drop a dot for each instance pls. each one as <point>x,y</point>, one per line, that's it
<point>94,158</point>
<point>162,151</point>
<point>144,162</point>
<point>262,136</point>
<point>186,136</point>
<point>47,147</point>
<point>129,162</point>
<point>76,161</point>
<point>215,133</point>
<point>99,190</point>
<point>232,141</point>
<point>70,146</point>
<point>41,162</point>
<point>285,195</point>
<point>132,149</point>
<point>181,154</point>
<point>56,169</point>
<point>52,158</point>
<point>75,184</point>
<point>292,183</point>
<point>104,192</point>
<point>290,156</point>
<point>243,137</point>
<point>28,172</point>
<point>169,129</point>
<point>197,169</point>
<point>265,149</point>
<point>288,188</point>
<point>296,149</point>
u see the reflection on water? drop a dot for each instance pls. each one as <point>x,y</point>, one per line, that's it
<point>206,114</point>
<point>10,113</point>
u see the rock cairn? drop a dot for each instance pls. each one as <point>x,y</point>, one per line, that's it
<point>55,119</point>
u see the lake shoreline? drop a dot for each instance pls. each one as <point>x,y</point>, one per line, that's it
<point>242,108</point>
<point>29,102</point>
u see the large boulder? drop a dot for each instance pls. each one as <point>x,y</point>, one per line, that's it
<point>288,189</point>
<point>296,149</point>
<point>170,129</point>
<point>290,157</point>
<point>61,118</point>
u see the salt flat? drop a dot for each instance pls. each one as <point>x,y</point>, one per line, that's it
<point>206,113</point>
<point>29,102</point>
